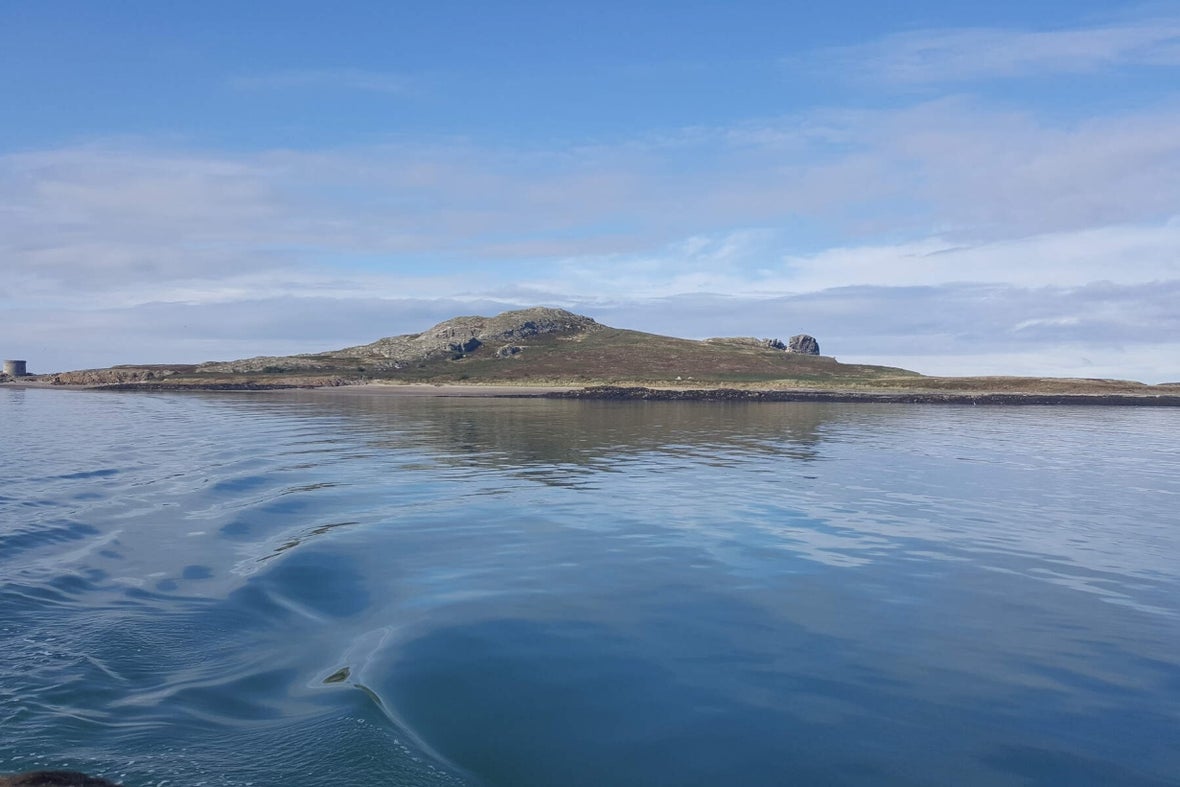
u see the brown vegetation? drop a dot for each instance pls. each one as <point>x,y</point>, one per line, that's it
<point>552,347</point>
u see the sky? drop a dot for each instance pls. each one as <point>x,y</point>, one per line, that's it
<point>954,188</point>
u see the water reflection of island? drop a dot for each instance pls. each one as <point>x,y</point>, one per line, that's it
<point>530,434</point>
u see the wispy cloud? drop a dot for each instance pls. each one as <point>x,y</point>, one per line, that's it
<point>968,54</point>
<point>937,230</point>
<point>999,194</point>
<point>1127,254</point>
<point>325,79</point>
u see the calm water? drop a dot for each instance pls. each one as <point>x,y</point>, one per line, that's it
<point>315,589</point>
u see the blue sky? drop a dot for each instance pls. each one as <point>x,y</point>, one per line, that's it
<point>955,188</point>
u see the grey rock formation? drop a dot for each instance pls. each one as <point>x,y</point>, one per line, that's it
<point>802,343</point>
<point>798,344</point>
<point>453,338</point>
<point>748,341</point>
<point>468,333</point>
<point>459,349</point>
<point>271,363</point>
<point>116,375</point>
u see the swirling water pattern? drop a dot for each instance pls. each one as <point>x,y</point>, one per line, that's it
<point>317,588</point>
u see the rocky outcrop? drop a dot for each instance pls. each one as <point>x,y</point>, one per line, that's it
<point>748,341</point>
<point>116,375</point>
<point>454,339</point>
<point>802,343</point>
<point>271,364</point>
<point>462,335</point>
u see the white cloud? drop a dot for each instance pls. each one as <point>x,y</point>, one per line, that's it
<point>750,262</point>
<point>1121,254</point>
<point>1042,322</point>
<point>1075,359</point>
<point>897,232</point>
<point>113,219</point>
<point>954,55</point>
<point>996,173</point>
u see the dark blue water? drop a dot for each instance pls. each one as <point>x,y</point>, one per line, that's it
<point>322,589</point>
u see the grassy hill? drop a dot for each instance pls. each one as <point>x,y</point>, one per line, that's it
<point>612,355</point>
<point>553,347</point>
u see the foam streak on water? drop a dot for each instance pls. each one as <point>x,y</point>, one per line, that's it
<point>312,589</point>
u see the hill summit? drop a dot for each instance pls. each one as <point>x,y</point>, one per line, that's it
<point>448,340</point>
<point>461,335</point>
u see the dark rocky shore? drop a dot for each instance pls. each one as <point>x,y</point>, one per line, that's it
<point>623,393</point>
<point>245,385</point>
<point>619,393</point>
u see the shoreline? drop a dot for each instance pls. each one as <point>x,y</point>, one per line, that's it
<point>620,393</point>
<point>629,393</point>
<point>446,391</point>
<point>455,390</point>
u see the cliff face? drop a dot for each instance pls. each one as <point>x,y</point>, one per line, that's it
<point>449,339</point>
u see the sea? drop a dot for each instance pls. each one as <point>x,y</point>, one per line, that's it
<point>336,588</point>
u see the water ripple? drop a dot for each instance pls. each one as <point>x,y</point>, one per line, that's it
<point>310,589</point>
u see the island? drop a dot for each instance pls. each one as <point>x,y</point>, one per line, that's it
<point>552,352</point>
